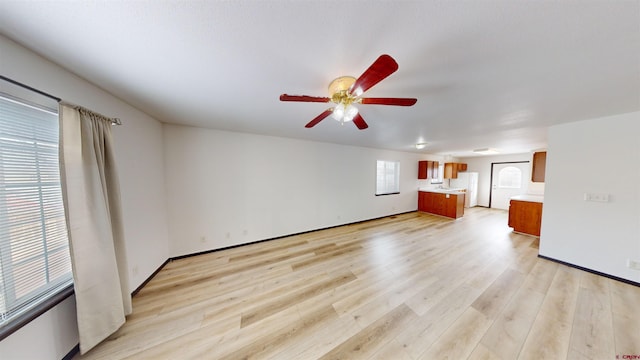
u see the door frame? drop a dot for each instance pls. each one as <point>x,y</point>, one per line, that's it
<point>491,175</point>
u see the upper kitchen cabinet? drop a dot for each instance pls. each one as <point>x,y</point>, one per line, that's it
<point>451,170</point>
<point>427,169</point>
<point>423,169</point>
<point>539,166</point>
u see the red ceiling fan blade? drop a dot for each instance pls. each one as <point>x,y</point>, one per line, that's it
<point>319,118</point>
<point>378,71</point>
<point>389,101</point>
<point>304,98</point>
<point>359,122</point>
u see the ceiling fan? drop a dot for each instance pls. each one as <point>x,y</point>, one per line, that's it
<point>346,91</point>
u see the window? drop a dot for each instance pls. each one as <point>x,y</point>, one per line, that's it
<point>510,178</point>
<point>34,248</point>
<point>439,179</point>
<point>388,177</point>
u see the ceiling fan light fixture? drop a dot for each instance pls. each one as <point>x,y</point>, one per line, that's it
<point>338,112</point>
<point>344,114</point>
<point>350,112</point>
<point>486,151</point>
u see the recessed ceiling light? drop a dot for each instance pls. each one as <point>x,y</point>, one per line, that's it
<point>421,145</point>
<point>486,151</point>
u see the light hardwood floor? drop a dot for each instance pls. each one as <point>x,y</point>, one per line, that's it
<point>412,286</point>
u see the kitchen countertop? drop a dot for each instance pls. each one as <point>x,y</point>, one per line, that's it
<point>529,198</point>
<point>443,191</point>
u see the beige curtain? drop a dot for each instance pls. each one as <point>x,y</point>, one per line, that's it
<point>92,204</point>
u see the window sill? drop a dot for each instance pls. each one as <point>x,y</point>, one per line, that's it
<point>22,320</point>
<point>393,193</point>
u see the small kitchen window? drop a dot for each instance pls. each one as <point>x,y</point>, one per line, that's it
<point>387,177</point>
<point>440,178</point>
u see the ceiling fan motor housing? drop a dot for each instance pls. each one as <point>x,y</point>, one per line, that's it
<point>339,90</point>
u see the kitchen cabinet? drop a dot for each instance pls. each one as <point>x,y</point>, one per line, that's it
<point>428,169</point>
<point>525,216</point>
<point>451,170</point>
<point>423,169</point>
<point>438,204</point>
<point>443,204</point>
<point>539,166</point>
<point>423,198</point>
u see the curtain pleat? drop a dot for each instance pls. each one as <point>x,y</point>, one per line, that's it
<point>92,204</point>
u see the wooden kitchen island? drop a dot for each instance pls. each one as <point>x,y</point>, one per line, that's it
<point>443,203</point>
<point>525,214</point>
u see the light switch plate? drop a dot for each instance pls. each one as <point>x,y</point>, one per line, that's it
<point>634,265</point>
<point>596,197</point>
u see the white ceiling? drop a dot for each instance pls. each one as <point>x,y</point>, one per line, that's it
<point>485,73</point>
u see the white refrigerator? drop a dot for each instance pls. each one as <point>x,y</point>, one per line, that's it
<point>469,181</point>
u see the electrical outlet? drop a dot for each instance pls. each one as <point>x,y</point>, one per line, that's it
<point>633,265</point>
<point>596,197</point>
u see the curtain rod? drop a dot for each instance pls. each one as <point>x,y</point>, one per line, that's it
<point>115,121</point>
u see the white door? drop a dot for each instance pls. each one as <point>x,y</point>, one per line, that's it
<point>508,180</point>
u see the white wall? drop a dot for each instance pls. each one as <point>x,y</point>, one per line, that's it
<point>228,188</point>
<point>139,155</point>
<point>594,156</point>
<point>50,336</point>
<point>482,165</point>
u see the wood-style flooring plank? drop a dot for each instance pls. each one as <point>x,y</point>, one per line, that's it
<point>459,341</point>
<point>373,337</point>
<point>482,353</point>
<point>541,276</point>
<point>391,350</point>
<point>592,335</point>
<point>625,300</point>
<point>179,346</point>
<point>420,335</point>
<point>272,306</point>
<point>551,331</point>
<point>508,333</point>
<point>498,294</point>
<point>548,339</point>
<point>314,345</point>
<point>271,343</point>
<point>389,299</point>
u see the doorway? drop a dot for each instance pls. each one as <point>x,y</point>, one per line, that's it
<point>508,179</point>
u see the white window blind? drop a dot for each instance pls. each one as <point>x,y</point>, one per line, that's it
<point>388,177</point>
<point>34,248</point>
